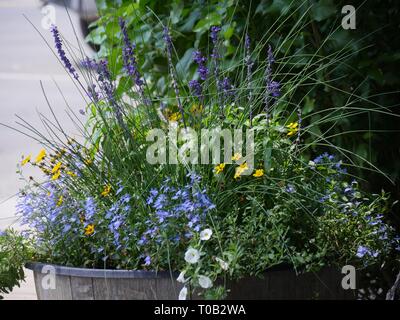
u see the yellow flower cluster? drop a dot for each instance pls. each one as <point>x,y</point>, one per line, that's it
<point>293,127</point>
<point>53,167</point>
<point>174,117</point>
<point>240,169</point>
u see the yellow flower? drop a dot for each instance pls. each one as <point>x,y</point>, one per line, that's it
<point>239,170</point>
<point>41,156</point>
<point>56,167</point>
<point>56,175</point>
<point>106,191</point>
<point>89,229</point>
<point>60,201</point>
<point>88,162</point>
<point>174,116</point>
<point>71,174</point>
<point>219,168</point>
<point>26,160</point>
<point>293,127</point>
<point>258,173</point>
<point>236,157</point>
<point>244,166</point>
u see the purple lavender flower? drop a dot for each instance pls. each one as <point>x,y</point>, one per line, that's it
<point>196,88</point>
<point>130,63</point>
<point>215,34</point>
<point>147,261</point>
<point>61,52</point>
<point>273,88</point>
<point>201,62</point>
<point>227,87</point>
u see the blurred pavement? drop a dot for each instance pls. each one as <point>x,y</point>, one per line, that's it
<point>25,59</point>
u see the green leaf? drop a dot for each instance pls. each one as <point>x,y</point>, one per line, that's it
<point>210,20</point>
<point>323,10</point>
<point>183,65</point>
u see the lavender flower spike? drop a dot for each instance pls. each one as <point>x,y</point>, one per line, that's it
<point>201,61</point>
<point>129,58</point>
<point>61,52</point>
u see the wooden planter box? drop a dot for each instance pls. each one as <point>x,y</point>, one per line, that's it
<point>98,284</point>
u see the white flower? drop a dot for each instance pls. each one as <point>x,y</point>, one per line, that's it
<point>192,255</point>
<point>205,282</point>
<point>224,265</point>
<point>206,234</point>
<point>181,277</point>
<point>183,294</point>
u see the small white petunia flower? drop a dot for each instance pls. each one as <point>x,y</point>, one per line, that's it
<point>192,255</point>
<point>223,264</point>
<point>205,282</point>
<point>181,277</point>
<point>183,294</point>
<point>206,234</point>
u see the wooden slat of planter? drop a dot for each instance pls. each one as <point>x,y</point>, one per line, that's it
<point>124,289</point>
<point>61,292</point>
<point>167,289</point>
<point>82,288</point>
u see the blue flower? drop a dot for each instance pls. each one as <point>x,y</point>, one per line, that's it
<point>90,208</point>
<point>290,188</point>
<point>362,251</point>
<point>147,261</point>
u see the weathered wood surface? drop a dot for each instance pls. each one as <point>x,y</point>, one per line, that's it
<point>275,284</point>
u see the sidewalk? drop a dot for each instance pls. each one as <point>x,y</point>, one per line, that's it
<point>24,61</point>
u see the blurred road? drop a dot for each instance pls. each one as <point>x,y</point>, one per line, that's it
<point>24,61</point>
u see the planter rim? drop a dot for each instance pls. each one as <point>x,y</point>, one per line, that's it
<point>101,273</point>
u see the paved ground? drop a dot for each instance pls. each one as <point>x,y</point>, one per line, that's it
<point>24,61</point>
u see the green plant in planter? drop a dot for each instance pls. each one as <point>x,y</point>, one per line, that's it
<point>107,202</point>
<point>15,250</point>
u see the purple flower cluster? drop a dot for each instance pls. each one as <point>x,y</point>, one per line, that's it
<point>104,77</point>
<point>201,62</point>
<point>196,88</point>
<point>61,52</point>
<point>177,212</point>
<point>273,88</point>
<point>215,30</point>
<point>128,54</point>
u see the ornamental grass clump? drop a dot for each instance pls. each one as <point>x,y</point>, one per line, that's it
<point>101,204</point>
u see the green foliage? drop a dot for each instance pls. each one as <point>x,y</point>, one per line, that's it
<point>14,253</point>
